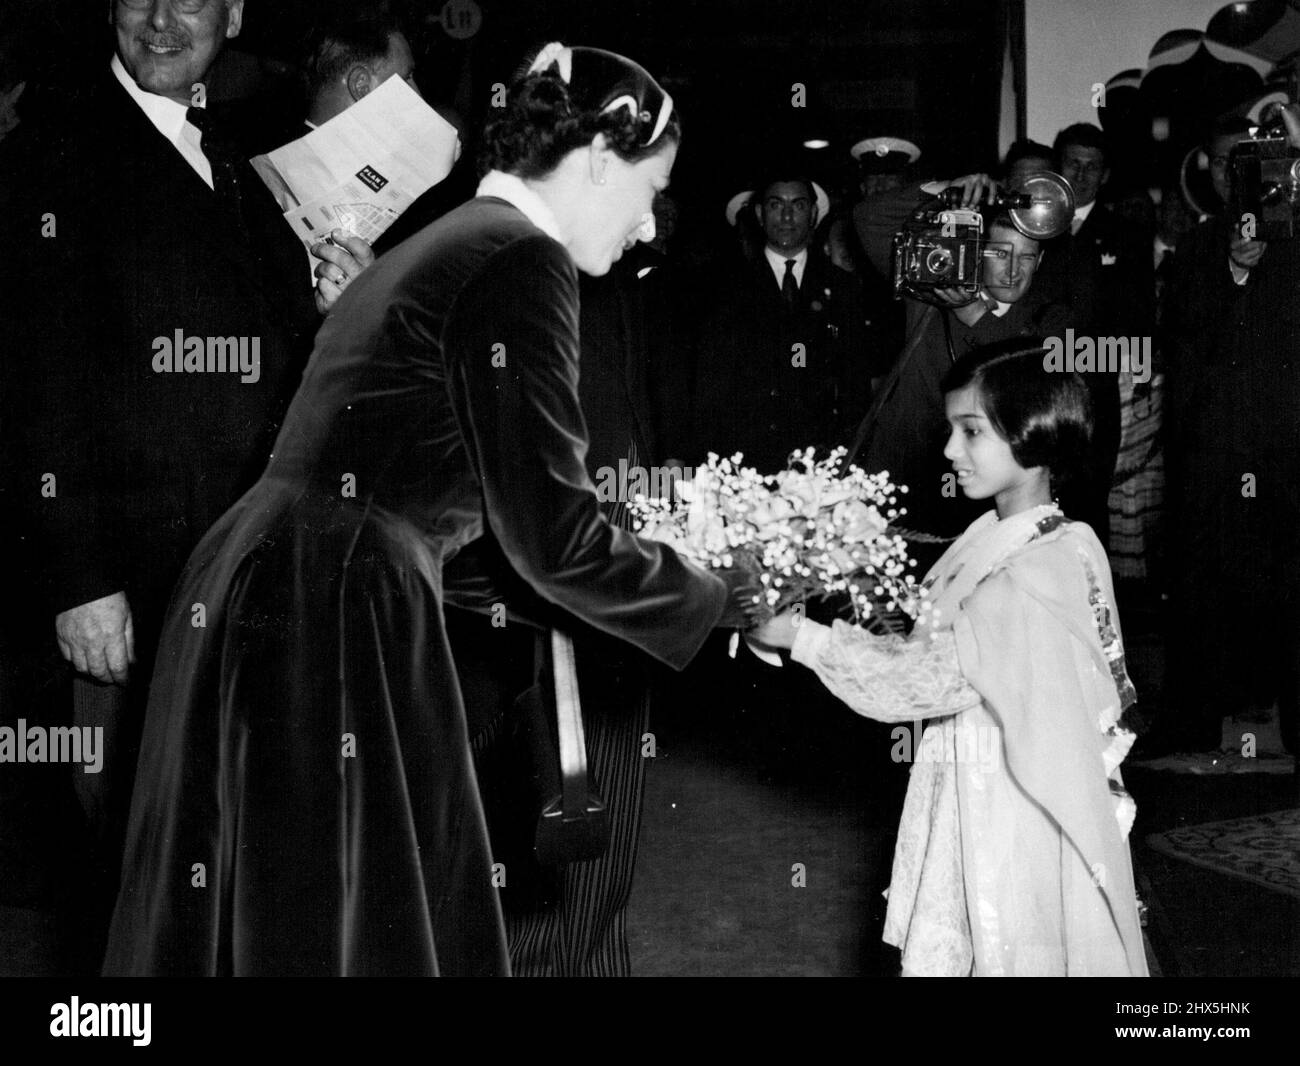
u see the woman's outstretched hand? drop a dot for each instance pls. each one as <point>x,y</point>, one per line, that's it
<point>745,607</point>
<point>777,632</point>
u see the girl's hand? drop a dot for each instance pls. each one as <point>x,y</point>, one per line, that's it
<point>777,632</point>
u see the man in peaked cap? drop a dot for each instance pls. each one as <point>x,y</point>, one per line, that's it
<point>783,339</point>
<point>882,162</point>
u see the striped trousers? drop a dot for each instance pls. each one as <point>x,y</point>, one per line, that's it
<point>572,922</point>
<point>585,933</point>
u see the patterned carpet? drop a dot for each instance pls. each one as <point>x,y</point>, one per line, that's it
<point>1264,849</point>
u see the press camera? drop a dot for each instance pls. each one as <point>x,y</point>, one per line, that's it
<point>1264,172</point>
<point>942,245</point>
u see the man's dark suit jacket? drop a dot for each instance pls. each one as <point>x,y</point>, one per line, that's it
<point>1232,427</point>
<point>144,462</point>
<point>1105,273</point>
<point>455,189</point>
<point>1232,382</point>
<point>1233,388</point>
<point>750,395</point>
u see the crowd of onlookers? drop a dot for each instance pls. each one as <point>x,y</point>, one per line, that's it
<point>1191,482</point>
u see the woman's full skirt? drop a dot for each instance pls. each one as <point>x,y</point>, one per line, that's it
<point>305,800</point>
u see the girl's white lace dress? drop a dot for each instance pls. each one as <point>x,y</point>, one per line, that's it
<point>1012,854</point>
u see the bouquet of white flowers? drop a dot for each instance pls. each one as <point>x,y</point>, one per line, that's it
<point>810,531</point>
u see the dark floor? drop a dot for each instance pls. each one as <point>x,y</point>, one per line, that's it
<point>721,855</point>
<point>768,833</point>
<point>1205,924</point>
<point>714,894</point>
<point>767,841</point>
<point>735,798</point>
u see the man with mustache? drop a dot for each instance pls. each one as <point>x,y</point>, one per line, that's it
<point>149,223</point>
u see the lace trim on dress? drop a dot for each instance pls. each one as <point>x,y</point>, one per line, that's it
<point>894,678</point>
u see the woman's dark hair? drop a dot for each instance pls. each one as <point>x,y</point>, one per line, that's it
<point>1045,415</point>
<point>541,124</point>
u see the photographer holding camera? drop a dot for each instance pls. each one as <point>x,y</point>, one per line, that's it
<point>906,428</point>
<point>1233,331</point>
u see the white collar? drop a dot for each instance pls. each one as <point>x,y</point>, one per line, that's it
<point>1082,213</point>
<point>778,259</point>
<point>514,191</point>
<point>167,115</point>
<point>1001,309</point>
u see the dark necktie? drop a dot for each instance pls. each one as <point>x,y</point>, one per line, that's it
<point>224,156</point>
<point>789,287</point>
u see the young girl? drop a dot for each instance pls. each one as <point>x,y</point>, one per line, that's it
<point>1012,855</point>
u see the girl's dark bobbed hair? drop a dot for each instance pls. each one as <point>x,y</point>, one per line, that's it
<point>1044,415</point>
<point>563,98</point>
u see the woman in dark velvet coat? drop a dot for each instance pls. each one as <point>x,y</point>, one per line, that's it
<point>305,801</point>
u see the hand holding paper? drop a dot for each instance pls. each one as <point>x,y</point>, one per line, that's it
<point>360,170</point>
<point>342,259</point>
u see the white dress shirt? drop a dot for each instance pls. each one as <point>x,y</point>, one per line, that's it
<point>512,189</point>
<point>1158,249</point>
<point>1081,216</point>
<point>776,260</point>
<point>168,118</point>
